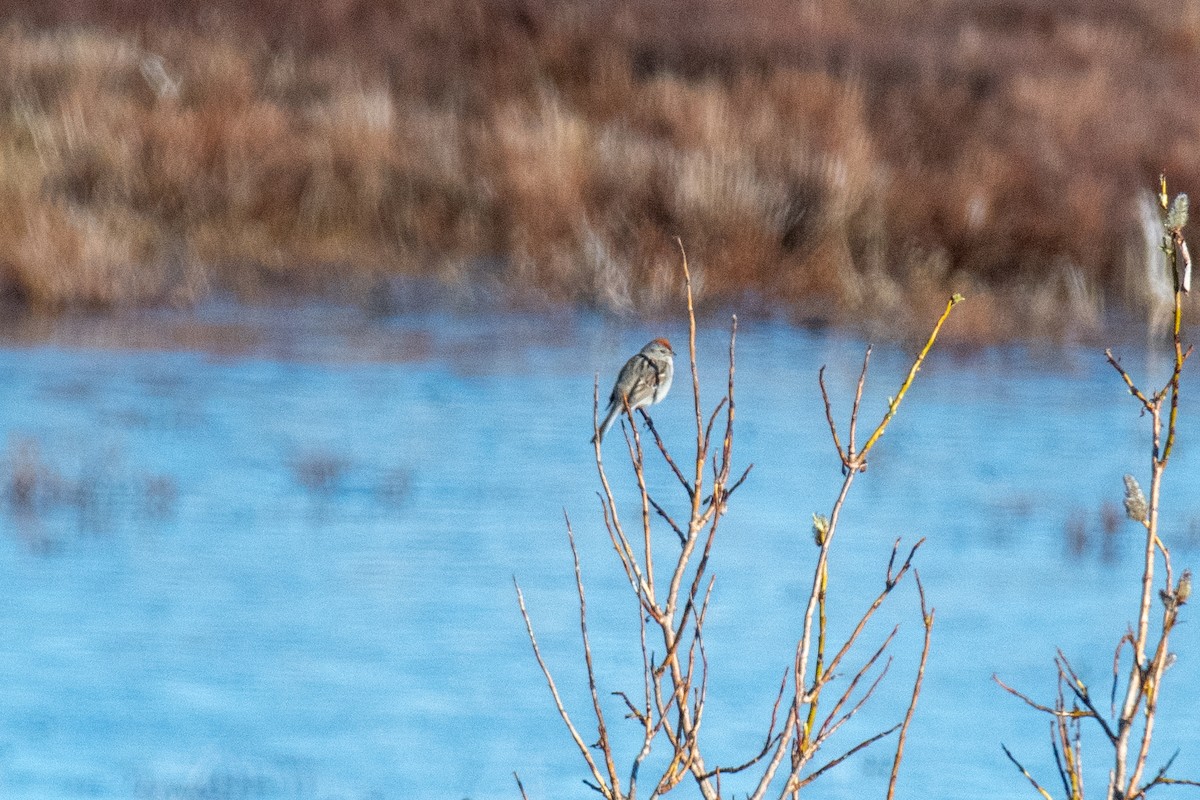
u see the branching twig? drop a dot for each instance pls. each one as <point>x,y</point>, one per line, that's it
<point>674,596</point>
<point>1025,772</point>
<point>558,703</point>
<point>1148,647</point>
<point>865,743</point>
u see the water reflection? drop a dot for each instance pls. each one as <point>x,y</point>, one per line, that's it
<point>282,546</point>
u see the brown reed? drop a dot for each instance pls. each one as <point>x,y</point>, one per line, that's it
<point>838,160</point>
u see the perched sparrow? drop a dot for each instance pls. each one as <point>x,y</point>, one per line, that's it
<point>644,380</point>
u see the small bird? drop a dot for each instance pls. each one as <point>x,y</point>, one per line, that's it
<point>644,380</point>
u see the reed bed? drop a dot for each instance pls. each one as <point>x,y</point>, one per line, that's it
<point>836,161</point>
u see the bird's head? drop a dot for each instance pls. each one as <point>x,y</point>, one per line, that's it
<point>660,346</point>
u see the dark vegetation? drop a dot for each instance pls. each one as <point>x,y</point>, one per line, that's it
<point>841,160</point>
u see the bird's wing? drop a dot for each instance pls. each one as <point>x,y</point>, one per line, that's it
<point>627,377</point>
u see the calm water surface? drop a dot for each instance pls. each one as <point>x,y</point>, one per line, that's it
<point>270,553</point>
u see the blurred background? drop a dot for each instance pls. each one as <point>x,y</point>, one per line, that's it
<point>844,162</point>
<point>304,306</point>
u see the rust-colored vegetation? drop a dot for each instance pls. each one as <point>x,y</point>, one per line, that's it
<point>837,159</point>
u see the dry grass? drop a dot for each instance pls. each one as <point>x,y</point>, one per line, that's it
<point>839,159</point>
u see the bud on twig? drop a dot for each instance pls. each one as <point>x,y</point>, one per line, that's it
<point>1178,215</point>
<point>820,528</point>
<point>1135,501</point>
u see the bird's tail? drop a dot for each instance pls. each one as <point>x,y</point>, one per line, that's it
<point>609,417</point>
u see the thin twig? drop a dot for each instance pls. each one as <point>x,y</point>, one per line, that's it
<point>1080,690</point>
<point>687,280</point>
<point>1133,390</point>
<point>830,726</point>
<point>858,393</point>
<point>1126,639</point>
<point>829,416</point>
<point>1161,779</point>
<point>771,737</point>
<point>662,448</point>
<point>712,421</point>
<point>601,727</point>
<point>889,585</point>
<point>1054,712</point>
<point>927,621</point>
<point>667,518</point>
<point>849,690</point>
<point>1056,733</point>
<point>1025,772</point>
<point>558,703</point>
<point>865,743</point>
<point>894,404</point>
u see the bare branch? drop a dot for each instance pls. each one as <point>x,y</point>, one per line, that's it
<point>858,393</point>
<point>927,621</point>
<point>1054,712</point>
<point>712,421</point>
<point>1126,639</point>
<point>1080,690</point>
<point>1161,779</point>
<point>889,585</point>
<point>601,727</point>
<point>829,417</point>
<point>865,743</point>
<point>1025,772</point>
<point>734,486</point>
<point>558,703</point>
<point>727,442</point>
<point>771,737</point>
<point>830,725</point>
<point>667,518</point>
<point>662,448</point>
<point>894,404</point>
<point>1133,389</point>
<point>1172,782</point>
<point>687,280</point>
<point>1056,732</point>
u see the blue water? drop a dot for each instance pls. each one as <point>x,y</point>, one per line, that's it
<point>270,553</point>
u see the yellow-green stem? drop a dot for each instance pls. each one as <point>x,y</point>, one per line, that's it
<point>894,403</point>
<point>819,669</point>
